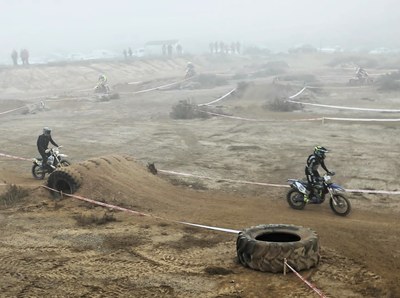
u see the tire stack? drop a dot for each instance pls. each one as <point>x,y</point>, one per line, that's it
<point>265,247</point>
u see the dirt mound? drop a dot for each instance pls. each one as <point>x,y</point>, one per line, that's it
<point>123,181</point>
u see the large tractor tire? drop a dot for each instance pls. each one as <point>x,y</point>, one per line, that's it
<point>65,180</point>
<point>265,247</point>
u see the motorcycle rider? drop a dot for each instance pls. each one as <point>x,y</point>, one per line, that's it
<point>42,144</point>
<point>189,70</point>
<point>102,79</point>
<point>361,73</point>
<point>102,84</point>
<point>311,170</point>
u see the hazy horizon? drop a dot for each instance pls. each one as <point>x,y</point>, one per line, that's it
<point>48,26</point>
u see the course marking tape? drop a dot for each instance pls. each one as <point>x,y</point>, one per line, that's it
<point>141,213</point>
<point>218,99</point>
<point>320,294</point>
<point>362,119</point>
<point>239,181</point>
<point>275,185</point>
<point>159,87</point>
<point>374,191</point>
<point>298,93</point>
<point>261,120</point>
<point>15,157</point>
<point>222,179</point>
<point>75,98</point>
<point>346,108</point>
<point>9,111</point>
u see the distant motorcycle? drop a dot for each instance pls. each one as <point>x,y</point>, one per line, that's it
<point>190,72</point>
<point>104,93</point>
<point>102,88</point>
<point>54,161</point>
<point>339,204</point>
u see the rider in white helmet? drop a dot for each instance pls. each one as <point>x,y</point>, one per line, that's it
<point>361,73</point>
<point>190,70</point>
<point>42,144</point>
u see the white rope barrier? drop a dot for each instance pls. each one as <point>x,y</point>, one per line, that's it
<point>344,107</point>
<point>218,99</point>
<point>235,181</point>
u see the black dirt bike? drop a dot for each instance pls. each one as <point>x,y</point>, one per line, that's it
<point>339,204</point>
<point>55,160</point>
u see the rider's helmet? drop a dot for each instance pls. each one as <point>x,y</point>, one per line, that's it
<point>320,151</point>
<point>189,65</point>
<point>46,131</point>
<point>102,78</point>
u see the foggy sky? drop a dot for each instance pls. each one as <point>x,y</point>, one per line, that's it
<point>54,25</point>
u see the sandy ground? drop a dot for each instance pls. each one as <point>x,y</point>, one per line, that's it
<point>46,249</point>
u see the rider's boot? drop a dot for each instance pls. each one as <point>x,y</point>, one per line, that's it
<point>307,196</point>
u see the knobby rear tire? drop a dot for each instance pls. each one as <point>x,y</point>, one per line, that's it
<point>290,197</point>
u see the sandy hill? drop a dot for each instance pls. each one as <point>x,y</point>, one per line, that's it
<point>123,181</point>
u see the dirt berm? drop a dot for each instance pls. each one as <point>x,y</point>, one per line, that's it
<point>125,182</point>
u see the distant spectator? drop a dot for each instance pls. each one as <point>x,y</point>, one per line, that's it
<point>221,47</point>
<point>233,48</point>
<point>14,57</point>
<point>227,49</point>
<point>164,49</point>
<point>216,46</point>
<point>238,47</point>
<point>169,49</point>
<point>125,54</point>
<point>130,52</point>
<point>179,49</point>
<point>211,47</point>
<point>24,55</point>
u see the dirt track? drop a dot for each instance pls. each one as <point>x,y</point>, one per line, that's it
<point>45,252</point>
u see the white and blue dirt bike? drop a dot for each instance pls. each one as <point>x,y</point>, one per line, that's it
<point>55,160</point>
<point>339,204</point>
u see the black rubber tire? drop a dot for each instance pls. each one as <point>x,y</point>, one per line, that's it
<point>300,247</point>
<point>37,172</point>
<point>344,203</point>
<point>295,205</point>
<point>65,180</point>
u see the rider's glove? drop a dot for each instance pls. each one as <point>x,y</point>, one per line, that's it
<point>331,173</point>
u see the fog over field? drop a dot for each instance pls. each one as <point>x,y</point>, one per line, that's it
<point>48,26</point>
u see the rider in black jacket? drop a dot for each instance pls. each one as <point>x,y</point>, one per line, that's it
<point>42,144</point>
<point>311,170</point>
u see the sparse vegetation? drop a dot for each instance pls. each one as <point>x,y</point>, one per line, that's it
<point>184,109</point>
<point>281,105</point>
<point>241,87</point>
<point>13,195</point>
<point>213,270</point>
<point>88,220</point>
